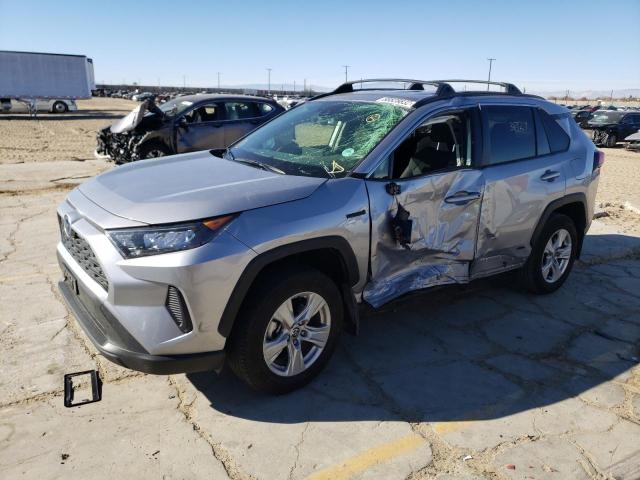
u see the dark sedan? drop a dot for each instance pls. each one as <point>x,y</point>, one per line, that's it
<point>184,124</point>
<point>609,127</point>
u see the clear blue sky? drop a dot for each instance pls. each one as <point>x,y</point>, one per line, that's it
<point>539,44</point>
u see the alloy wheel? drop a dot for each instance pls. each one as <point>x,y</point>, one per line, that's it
<point>297,334</point>
<point>556,256</point>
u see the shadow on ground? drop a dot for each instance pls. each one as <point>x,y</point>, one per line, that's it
<point>464,353</point>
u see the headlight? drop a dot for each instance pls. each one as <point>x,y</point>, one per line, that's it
<point>144,241</point>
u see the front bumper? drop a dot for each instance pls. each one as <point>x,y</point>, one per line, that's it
<point>104,331</point>
<point>124,305</point>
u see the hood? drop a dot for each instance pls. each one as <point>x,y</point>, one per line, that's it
<point>135,117</point>
<point>191,186</point>
<point>130,121</point>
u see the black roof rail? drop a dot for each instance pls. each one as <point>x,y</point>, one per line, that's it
<point>509,88</point>
<point>443,87</point>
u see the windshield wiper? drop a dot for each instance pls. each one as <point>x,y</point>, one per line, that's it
<point>253,163</point>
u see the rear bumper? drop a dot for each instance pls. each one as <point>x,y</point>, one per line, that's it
<point>104,331</point>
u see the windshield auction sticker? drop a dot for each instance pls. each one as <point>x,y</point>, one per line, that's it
<point>399,102</point>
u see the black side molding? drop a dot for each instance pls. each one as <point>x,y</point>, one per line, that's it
<point>339,244</point>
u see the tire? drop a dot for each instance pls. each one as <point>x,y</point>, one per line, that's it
<point>59,107</point>
<point>611,140</point>
<point>534,276</point>
<point>153,150</point>
<point>258,334</point>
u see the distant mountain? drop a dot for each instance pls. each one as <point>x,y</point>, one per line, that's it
<point>590,94</point>
<point>275,87</point>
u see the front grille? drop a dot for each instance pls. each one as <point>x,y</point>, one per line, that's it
<point>83,254</point>
<point>178,309</point>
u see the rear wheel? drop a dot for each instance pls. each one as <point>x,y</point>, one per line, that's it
<point>552,256</point>
<point>286,331</point>
<point>59,107</point>
<point>611,140</point>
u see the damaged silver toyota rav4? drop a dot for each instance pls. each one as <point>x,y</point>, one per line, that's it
<point>261,254</point>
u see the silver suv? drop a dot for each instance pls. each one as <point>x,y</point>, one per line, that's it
<point>262,254</point>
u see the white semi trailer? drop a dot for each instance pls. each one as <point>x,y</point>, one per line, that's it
<point>37,79</point>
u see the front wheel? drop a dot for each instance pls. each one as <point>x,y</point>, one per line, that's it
<point>152,150</point>
<point>552,256</point>
<point>286,331</point>
<point>611,140</point>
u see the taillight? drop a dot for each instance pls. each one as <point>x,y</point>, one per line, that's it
<point>598,160</point>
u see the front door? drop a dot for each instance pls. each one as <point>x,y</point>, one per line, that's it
<point>425,204</point>
<point>200,129</point>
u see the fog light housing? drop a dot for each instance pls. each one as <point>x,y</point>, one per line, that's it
<point>178,310</point>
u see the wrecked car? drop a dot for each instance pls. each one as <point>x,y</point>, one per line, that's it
<point>263,255</point>
<point>633,141</point>
<point>609,127</point>
<point>184,124</point>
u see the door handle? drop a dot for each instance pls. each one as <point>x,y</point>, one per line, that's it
<point>463,197</point>
<point>549,176</point>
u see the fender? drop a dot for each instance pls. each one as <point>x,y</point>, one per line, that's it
<point>259,263</point>
<point>578,197</point>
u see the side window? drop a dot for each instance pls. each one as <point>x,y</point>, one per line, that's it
<point>557,137</point>
<point>441,143</point>
<point>241,110</point>
<point>510,133</point>
<point>633,119</point>
<point>265,108</point>
<point>204,113</point>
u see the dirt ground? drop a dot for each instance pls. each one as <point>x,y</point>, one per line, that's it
<point>480,382</point>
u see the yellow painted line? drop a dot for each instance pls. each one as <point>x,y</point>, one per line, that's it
<point>442,428</point>
<point>369,458</point>
<point>484,413</point>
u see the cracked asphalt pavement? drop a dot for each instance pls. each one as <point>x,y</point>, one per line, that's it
<point>474,382</point>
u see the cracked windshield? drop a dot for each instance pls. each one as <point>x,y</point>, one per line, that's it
<point>322,138</point>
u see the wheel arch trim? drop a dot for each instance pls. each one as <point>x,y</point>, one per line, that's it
<point>552,207</point>
<point>263,260</point>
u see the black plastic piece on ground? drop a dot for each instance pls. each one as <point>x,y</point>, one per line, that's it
<point>96,388</point>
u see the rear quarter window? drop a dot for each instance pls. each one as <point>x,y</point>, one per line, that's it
<point>558,138</point>
<point>265,108</point>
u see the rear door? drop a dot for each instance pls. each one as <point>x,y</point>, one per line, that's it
<point>425,204</point>
<point>200,128</point>
<point>525,160</point>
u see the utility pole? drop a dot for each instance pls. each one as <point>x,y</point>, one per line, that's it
<point>346,72</point>
<point>219,82</point>
<point>268,81</point>
<point>304,90</point>
<point>294,87</point>
<point>184,82</point>
<point>491,60</point>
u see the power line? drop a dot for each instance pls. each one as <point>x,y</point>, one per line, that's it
<point>491,60</point>
<point>346,72</point>
<point>268,80</point>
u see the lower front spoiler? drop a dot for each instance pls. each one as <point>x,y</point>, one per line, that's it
<point>143,362</point>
